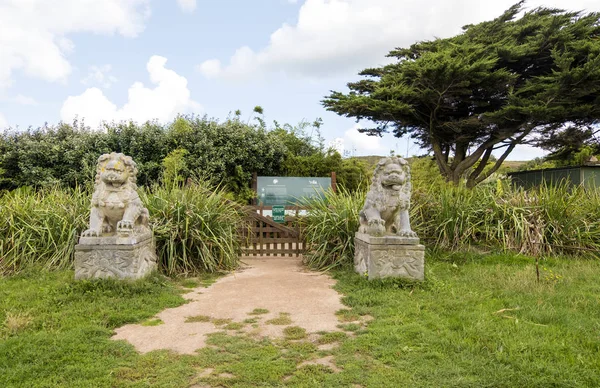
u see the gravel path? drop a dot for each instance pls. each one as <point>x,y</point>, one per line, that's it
<point>292,296</point>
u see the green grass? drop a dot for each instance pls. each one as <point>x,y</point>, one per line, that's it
<point>294,333</point>
<point>476,321</point>
<point>258,312</point>
<point>282,319</point>
<point>234,326</point>
<point>197,318</point>
<point>152,322</point>
<point>221,321</point>
<point>65,341</point>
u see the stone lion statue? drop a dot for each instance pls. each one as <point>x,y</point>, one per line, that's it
<point>116,205</point>
<point>388,200</point>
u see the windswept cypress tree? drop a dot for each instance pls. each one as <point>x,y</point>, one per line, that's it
<point>513,80</point>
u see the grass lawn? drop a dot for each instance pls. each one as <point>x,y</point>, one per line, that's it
<point>477,321</point>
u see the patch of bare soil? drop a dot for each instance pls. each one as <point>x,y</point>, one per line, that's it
<point>262,299</point>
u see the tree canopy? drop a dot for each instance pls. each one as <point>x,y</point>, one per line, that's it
<point>518,79</point>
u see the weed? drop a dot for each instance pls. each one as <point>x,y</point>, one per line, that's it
<point>350,327</point>
<point>294,332</point>
<point>234,326</point>
<point>16,322</point>
<point>258,312</point>
<point>152,322</point>
<point>221,321</point>
<point>283,319</point>
<point>189,283</point>
<point>331,337</point>
<point>346,315</point>
<point>197,318</point>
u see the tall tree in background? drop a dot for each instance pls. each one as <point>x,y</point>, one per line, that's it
<point>510,81</point>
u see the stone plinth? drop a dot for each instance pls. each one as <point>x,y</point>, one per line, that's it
<point>389,256</point>
<point>115,257</point>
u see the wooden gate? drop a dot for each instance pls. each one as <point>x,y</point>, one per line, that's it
<point>265,237</point>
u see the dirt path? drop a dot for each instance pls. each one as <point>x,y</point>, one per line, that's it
<point>285,293</point>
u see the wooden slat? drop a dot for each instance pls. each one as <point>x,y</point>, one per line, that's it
<point>279,240</point>
<point>264,237</point>
<point>274,252</point>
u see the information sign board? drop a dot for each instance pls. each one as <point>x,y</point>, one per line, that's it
<point>272,190</point>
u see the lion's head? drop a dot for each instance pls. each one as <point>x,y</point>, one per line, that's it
<point>391,174</point>
<point>115,170</point>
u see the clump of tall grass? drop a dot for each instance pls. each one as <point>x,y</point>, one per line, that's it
<point>329,229</point>
<point>196,229</point>
<point>543,221</point>
<point>549,219</point>
<point>40,228</point>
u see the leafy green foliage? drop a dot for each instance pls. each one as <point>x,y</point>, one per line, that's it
<point>498,84</point>
<point>225,153</point>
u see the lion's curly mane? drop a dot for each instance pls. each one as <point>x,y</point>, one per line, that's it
<point>127,162</point>
<point>377,194</point>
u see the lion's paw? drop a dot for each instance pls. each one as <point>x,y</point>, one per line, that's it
<point>407,233</point>
<point>376,227</point>
<point>125,227</point>
<point>91,233</point>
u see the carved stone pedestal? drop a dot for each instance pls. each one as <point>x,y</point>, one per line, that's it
<point>115,257</point>
<point>389,256</point>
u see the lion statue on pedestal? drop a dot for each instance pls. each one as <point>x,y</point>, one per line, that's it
<point>387,203</point>
<point>116,205</point>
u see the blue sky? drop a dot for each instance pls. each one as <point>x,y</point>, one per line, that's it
<point>153,59</point>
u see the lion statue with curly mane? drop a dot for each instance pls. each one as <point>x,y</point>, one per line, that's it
<point>386,207</point>
<point>116,205</point>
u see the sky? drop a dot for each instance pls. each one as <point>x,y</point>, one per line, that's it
<point>153,59</point>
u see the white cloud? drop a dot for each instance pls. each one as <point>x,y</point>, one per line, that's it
<point>187,5</point>
<point>523,152</point>
<point>33,33</point>
<point>3,122</point>
<point>341,36</point>
<point>24,100</point>
<point>168,98</point>
<point>354,143</point>
<point>99,75</point>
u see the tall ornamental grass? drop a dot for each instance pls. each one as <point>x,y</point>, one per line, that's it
<point>40,228</point>
<point>195,229</point>
<point>544,221</point>
<point>329,229</point>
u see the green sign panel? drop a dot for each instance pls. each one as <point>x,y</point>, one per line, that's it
<point>274,190</point>
<point>279,213</point>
